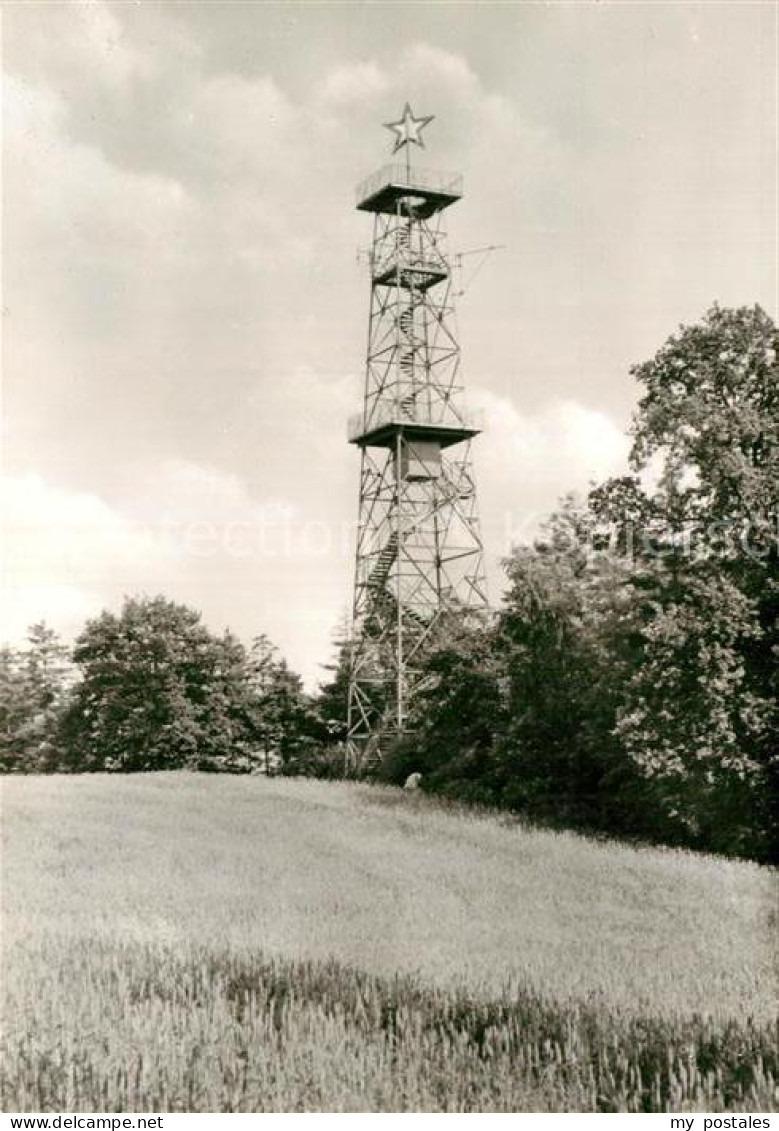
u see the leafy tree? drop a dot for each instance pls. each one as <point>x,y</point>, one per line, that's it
<point>228,740</point>
<point>14,707</point>
<point>35,682</point>
<point>281,719</point>
<point>456,712</point>
<point>158,691</point>
<point>567,642</point>
<point>332,699</point>
<point>700,710</point>
<point>689,719</point>
<point>709,412</point>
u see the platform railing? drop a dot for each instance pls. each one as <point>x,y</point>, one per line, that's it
<point>422,180</point>
<point>392,260</point>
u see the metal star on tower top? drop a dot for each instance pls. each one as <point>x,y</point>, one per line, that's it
<point>408,130</point>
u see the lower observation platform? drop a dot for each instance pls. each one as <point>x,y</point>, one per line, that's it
<point>429,191</point>
<point>418,275</point>
<point>382,428</point>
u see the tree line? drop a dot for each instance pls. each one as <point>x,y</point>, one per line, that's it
<point>628,683</point>
<point>150,688</point>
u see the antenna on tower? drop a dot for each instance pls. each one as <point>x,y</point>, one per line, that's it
<point>485,253</point>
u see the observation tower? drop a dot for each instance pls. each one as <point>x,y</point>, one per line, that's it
<point>419,550</point>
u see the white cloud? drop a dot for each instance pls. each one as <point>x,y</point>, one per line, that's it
<point>71,196</point>
<point>78,44</point>
<point>62,551</point>
<point>560,447</point>
<point>423,60</point>
<point>181,492</point>
<point>234,124</point>
<point>527,462</point>
<point>354,82</point>
<point>192,533</point>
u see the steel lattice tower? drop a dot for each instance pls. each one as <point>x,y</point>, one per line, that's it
<point>419,548</point>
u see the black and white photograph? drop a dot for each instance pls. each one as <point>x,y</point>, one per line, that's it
<point>389,651</point>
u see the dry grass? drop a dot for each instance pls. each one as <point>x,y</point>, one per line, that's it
<point>184,942</point>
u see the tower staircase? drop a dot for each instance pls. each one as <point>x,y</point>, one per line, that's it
<point>406,327</point>
<point>377,579</point>
<point>379,576</point>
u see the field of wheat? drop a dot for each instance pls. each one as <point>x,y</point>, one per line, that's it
<point>183,942</point>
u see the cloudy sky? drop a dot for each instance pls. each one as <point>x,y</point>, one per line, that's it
<point>185,313</point>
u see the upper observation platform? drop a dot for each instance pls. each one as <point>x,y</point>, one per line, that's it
<point>399,188</point>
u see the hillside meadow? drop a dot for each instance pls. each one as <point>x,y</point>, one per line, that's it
<point>185,942</point>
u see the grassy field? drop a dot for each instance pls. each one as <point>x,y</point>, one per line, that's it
<point>196,943</point>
